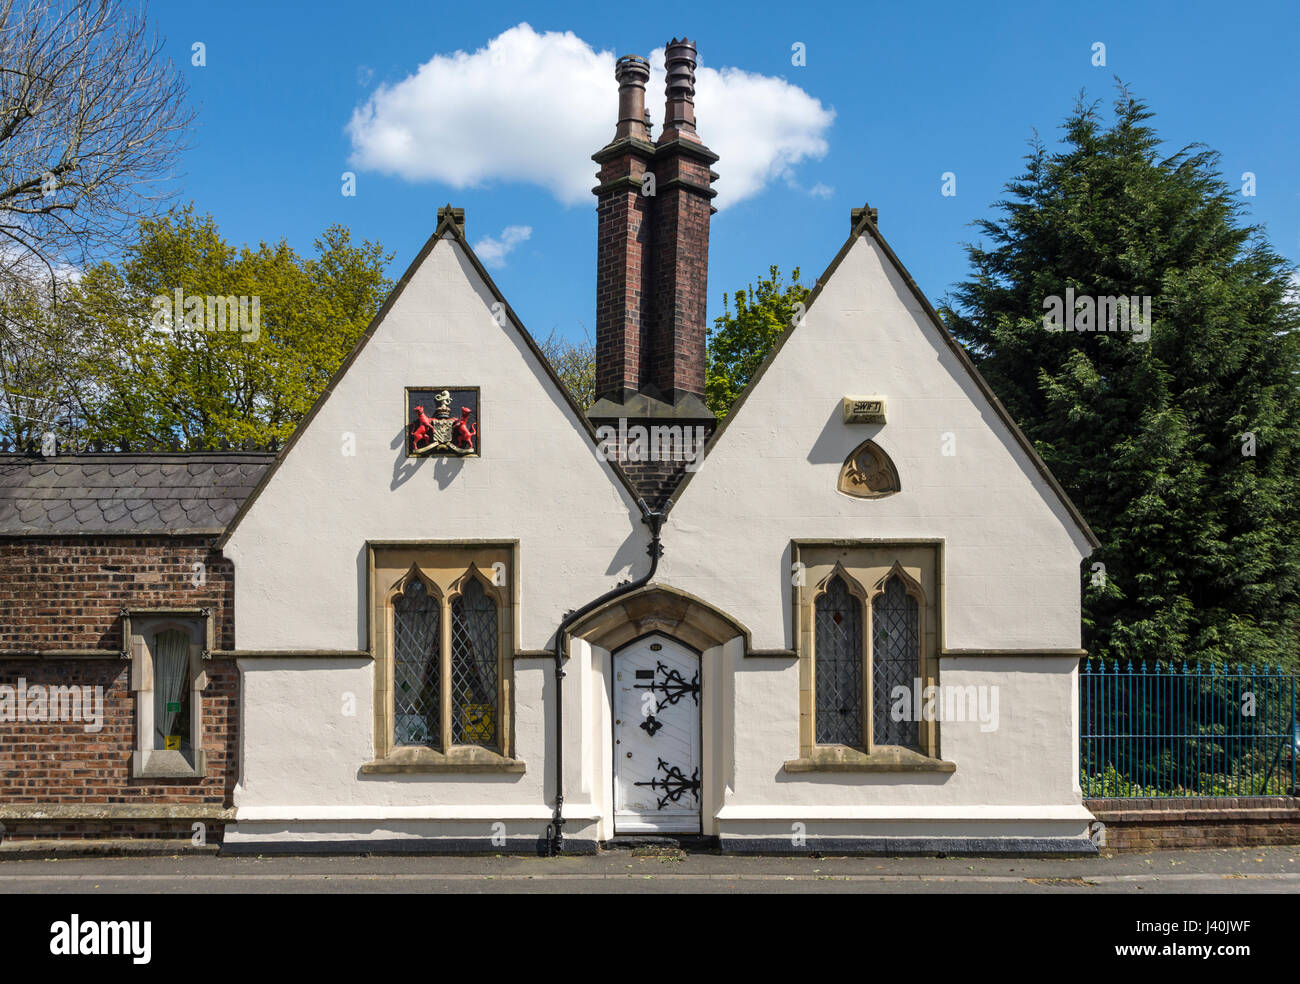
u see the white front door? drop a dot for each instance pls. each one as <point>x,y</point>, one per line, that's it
<point>656,738</point>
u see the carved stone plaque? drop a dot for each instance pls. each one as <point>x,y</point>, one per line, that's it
<point>442,421</point>
<point>864,409</point>
<point>868,473</point>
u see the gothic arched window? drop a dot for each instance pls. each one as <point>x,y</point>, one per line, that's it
<point>473,666</point>
<point>895,661</point>
<point>417,667</point>
<point>838,670</point>
<point>442,635</point>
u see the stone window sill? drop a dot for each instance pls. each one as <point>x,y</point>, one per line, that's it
<point>887,758</point>
<point>466,759</point>
<point>160,763</point>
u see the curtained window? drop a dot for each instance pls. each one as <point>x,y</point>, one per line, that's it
<point>166,647</point>
<point>417,667</point>
<point>171,691</point>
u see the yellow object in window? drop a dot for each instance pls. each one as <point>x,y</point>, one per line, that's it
<point>172,743</point>
<point>478,722</point>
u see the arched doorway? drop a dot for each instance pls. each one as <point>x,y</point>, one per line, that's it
<point>657,737</point>
<point>691,637</point>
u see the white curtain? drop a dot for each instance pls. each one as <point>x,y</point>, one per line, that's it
<point>171,678</point>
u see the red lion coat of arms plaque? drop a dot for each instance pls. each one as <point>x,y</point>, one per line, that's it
<point>442,421</point>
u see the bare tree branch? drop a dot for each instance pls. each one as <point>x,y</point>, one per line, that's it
<point>92,117</point>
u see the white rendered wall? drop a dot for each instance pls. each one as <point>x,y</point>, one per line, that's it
<point>1024,763</point>
<point>302,752</point>
<point>1012,553</point>
<point>300,564</point>
<point>1010,579</point>
<point>299,552</point>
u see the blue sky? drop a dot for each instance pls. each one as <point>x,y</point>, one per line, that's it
<point>891,97</point>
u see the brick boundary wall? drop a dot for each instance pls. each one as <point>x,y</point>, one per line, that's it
<point>1242,821</point>
<point>59,781</point>
<point>21,832</point>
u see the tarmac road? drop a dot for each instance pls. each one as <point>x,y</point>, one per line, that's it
<point>1227,871</point>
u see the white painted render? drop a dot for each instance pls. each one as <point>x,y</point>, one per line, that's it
<point>300,549</point>
<point>1022,767</point>
<point>1010,581</point>
<point>1012,552</point>
<point>302,752</point>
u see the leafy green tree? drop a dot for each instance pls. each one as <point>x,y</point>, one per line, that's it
<point>1183,450</point>
<point>737,345</point>
<point>252,343</point>
<point>741,339</point>
<point>575,364</point>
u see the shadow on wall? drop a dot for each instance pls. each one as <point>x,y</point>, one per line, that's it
<point>445,469</point>
<point>837,440</point>
<point>404,468</point>
<point>631,552</point>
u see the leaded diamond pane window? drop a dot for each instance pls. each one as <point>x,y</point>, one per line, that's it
<point>838,671</point>
<point>895,661</point>
<point>473,667</point>
<point>417,666</point>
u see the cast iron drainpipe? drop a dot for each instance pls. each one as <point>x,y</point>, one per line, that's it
<point>653,519</point>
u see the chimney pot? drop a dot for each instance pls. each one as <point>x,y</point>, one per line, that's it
<point>680,58</point>
<point>632,73</point>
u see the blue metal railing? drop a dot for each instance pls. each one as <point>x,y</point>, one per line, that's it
<point>1158,731</point>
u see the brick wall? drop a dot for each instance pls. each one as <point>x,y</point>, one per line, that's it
<point>1134,825</point>
<point>657,480</point>
<point>48,763</point>
<point>34,834</point>
<point>652,269</point>
<point>675,360</point>
<point>622,273</point>
<point>66,594</point>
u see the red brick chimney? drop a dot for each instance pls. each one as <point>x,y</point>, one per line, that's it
<point>622,238</point>
<point>652,262</point>
<point>682,207</point>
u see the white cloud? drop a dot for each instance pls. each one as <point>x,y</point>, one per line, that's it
<point>760,126</point>
<point>493,252</point>
<point>534,107</point>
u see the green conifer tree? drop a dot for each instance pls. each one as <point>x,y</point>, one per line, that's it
<point>1183,450</point>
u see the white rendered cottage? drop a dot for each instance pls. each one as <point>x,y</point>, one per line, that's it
<point>851,623</point>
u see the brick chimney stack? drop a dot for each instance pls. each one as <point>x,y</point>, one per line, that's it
<point>654,201</point>
<point>622,260</point>
<point>683,205</point>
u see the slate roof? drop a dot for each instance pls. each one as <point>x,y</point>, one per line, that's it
<point>125,493</point>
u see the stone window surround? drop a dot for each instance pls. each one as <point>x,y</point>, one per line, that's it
<point>138,624</point>
<point>869,565</point>
<point>443,566</point>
